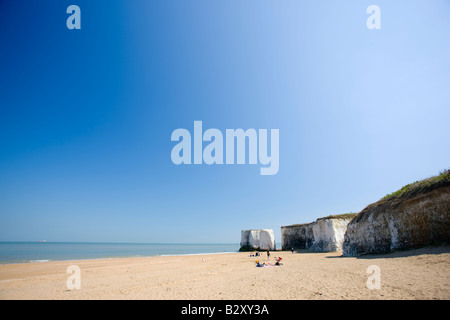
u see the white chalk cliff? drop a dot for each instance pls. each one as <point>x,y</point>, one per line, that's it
<point>323,235</point>
<point>258,239</point>
<point>329,234</point>
<point>413,220</point>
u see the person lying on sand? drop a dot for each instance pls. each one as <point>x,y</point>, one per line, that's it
<point>278,263</point>
<point>262,264</point>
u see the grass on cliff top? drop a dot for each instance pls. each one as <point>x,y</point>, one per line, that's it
<point>421,186</point>
<point>349,215</point>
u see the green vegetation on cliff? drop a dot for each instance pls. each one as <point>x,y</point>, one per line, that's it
<point>421,186</point>
<point>349,215</point>
<point>343,216</point>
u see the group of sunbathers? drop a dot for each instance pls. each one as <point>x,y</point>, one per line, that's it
<point>257,254</point>
<point>263,264</point>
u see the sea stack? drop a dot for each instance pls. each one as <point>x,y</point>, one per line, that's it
<point>257,239</point>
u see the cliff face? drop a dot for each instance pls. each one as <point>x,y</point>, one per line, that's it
<point>260,239</point>
<point>297,236</point>
<point>411,220</point>
<point>329,234</point>
<point>323,235</point>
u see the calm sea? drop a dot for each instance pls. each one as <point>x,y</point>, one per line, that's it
<point>18,252</point>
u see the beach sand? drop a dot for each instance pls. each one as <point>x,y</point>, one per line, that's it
<point>413,274</point>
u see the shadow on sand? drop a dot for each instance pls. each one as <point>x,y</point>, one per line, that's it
<point>401,253</point>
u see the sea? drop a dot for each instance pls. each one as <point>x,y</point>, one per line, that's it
<point>23,252</point>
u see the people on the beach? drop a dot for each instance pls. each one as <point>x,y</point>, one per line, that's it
<point>292,249</point>
<point>258,254</point>
<point>278,263</point>
<point>260,264</point>
<point>268,264</point>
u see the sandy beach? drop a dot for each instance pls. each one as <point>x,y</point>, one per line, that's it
<point>413,274</point>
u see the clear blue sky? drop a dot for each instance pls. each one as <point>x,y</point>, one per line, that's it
<point>86,115</point>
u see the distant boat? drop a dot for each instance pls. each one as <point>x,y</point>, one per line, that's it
<point>43,241</point>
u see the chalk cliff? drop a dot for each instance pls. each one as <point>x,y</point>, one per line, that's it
<point>414,216</point>
<point>259,239</point>
<point>329,234</point>
<point>297,236</point>
<point>323,235</point>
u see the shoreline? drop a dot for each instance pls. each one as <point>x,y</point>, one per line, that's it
<point>132,257</point>
<point>109,258</point>
<point>412,274</point>
<point>29,252</point>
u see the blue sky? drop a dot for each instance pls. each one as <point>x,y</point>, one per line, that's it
<point>86,115</point>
